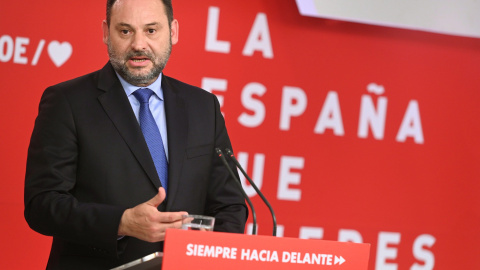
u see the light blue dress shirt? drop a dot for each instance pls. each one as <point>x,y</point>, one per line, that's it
<point>156,103</point>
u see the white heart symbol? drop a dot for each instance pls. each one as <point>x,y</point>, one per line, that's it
<point>59,52</point>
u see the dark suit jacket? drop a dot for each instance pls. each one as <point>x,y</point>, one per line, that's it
<point>88,162</point>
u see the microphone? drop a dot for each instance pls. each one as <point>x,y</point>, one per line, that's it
<point>236,180</point>
<point>274,219</point>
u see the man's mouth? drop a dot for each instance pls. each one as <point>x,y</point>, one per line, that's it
<point>138,60</point>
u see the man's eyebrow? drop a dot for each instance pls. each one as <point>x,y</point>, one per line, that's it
<point>124,24</point>
<point>152,24</point>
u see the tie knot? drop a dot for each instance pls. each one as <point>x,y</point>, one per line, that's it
<point>143,95</point>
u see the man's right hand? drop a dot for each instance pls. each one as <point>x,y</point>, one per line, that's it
<point>146,223</point>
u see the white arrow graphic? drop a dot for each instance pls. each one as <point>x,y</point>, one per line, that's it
<point>338,260</point>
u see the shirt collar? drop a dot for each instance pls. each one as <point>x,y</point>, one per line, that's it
<point>156,86</point>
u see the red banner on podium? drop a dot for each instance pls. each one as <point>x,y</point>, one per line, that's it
<point>237,251</point>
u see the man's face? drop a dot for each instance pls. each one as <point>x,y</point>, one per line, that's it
<point>139,39</point>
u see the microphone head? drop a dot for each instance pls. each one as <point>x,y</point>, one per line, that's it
<point>219,151</point>
<point>228,151</point>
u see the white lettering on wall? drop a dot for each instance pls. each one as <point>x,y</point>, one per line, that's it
<point>424,255</point>
<point>411,124</point>
<point>259,38</point>
<point>371,117</point>
<point>287,178</point>
<point>20,49</point>
<point>257,176</point>
<point>330,116</point>
<point>294,103</point>
<point>255,105</point>
<point>212,43</point>
<point>385,251</point>
<point>6,45</point>
<point>58,52</point>
<point>15,49</point>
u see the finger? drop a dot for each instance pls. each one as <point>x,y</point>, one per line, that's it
<point>158,199</point>
<point>187,220</point>
<point>171,217</point>
<point>174,225</point>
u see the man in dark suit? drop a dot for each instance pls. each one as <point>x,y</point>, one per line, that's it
<point>93,181</point>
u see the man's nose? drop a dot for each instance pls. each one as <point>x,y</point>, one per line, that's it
<point>139,42</point>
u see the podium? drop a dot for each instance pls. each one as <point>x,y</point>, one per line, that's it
<point>214,250</point>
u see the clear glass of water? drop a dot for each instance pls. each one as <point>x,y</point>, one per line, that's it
<point>197,223</point>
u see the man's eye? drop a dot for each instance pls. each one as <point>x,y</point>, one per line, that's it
<point>151,31</point>
<point>125,32</point>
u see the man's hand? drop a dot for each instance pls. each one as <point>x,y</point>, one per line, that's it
<point>146,223</point>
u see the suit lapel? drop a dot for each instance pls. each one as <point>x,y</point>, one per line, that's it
<point>177,130</point>
<point>119,110</point>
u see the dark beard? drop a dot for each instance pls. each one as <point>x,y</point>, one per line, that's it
<point>138,80</point>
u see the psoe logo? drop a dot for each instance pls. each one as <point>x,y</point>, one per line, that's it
<point>16,49</point>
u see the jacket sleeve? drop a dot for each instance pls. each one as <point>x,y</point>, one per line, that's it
<point>50,205</point>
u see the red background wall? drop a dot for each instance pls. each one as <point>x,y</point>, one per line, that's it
<point>393,194</point>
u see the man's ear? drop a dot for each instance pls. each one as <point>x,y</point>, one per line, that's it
<point>174,31</point>
<point>106,32</point>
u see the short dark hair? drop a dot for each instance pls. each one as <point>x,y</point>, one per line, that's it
<point>166,3</point>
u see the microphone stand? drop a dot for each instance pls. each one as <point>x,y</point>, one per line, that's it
<point>236,180</point>
<point>274,219</point>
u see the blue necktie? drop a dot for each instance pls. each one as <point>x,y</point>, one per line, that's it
<point>152,135</point>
